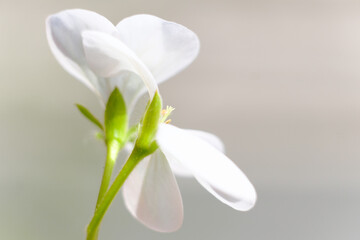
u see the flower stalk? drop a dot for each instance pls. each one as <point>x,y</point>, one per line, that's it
<point>144,146</point>
<point>136,156</point>
<point>112,153</point>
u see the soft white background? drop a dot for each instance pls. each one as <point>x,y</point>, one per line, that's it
<point>278,81</point>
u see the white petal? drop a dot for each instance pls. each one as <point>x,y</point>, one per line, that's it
<point>165,47</point>
<point>63,32</point>
<point>66,27</point>
<point>131,87</point>
<point>181,170</point>
<point>178,169</point>
<point>217,173</point>
<point>108,57</point>
<point>152,195</point>
<point>208,137</point>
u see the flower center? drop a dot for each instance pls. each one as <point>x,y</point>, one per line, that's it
<point>165,113</point>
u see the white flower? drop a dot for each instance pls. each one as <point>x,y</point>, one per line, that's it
<point>140,52</point>
<point>148,49</point>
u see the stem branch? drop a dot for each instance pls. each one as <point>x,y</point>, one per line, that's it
<point>135,157</point>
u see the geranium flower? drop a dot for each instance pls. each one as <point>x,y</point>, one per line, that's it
<point>151,193</point>
<point>138,53</point>
<point>151,50</point>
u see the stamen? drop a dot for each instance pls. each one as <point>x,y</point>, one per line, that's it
<point>165,113</point>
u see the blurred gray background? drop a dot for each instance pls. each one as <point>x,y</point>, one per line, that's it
<point>278,81</point>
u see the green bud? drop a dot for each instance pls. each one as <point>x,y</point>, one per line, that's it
<point>89,116</point>
<point>150,123</point>
<point>116,119</point>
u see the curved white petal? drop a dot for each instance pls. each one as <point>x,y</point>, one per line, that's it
<point>217,173</point>
<point>152,195</point>
<point>108,57</point>
<point>63,32</point>
<point>165,47</point>
<point>209,138</point>
<point>178,168</point>
<point>66,27</point>
<point>69,65</point>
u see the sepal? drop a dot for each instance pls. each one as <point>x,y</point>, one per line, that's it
<point>150,123</point>
<point>116,119</point>
<point>89,116</point>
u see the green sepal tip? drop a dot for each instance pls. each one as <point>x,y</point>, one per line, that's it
<point>89,116</point>
<point>116,119</point>
<point>150,123</point>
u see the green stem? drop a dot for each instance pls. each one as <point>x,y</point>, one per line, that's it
<point>113,149</point>
<point>135,157</point>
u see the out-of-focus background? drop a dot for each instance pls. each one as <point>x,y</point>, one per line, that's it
<point>278,81</point>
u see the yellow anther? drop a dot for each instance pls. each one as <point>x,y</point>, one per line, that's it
<point>168,121</point>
